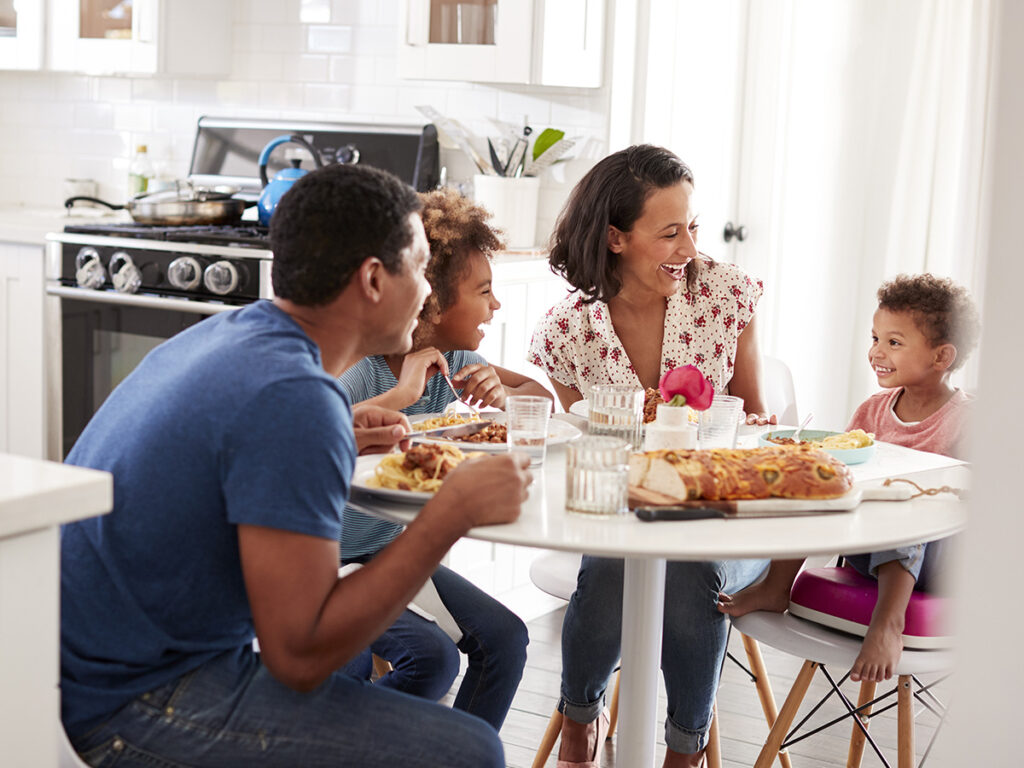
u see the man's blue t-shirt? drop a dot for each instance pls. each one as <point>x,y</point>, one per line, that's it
<point>233,421</point>
<point>368,378</point>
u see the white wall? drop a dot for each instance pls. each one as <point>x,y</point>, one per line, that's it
<point>54,126</point>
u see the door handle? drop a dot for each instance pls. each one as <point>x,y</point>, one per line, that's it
<point>730,231</point>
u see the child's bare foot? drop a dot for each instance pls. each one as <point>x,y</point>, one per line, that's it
<point>757,597</point>
<point>879,652</point>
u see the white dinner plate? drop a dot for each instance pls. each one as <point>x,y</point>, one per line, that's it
<point>365,466</point>
<point>558,432</point>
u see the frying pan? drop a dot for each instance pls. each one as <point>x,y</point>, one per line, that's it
<point>186,205</point>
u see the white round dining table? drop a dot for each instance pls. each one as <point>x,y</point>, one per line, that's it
<point>647,546</point>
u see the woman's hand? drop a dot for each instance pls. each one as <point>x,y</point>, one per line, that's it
<point>761,419</point>
<point>377,429</point>
<point>480,383</point>
<point>417,369</point>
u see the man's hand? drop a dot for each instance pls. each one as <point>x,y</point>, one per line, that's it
<point>486,490</point>
<point>480,383</point>
<point>377,429</point>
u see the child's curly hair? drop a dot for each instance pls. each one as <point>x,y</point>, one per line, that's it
<point>455,228</point>
<point>942,310</point>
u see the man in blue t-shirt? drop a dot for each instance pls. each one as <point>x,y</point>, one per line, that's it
<point>232,446</point>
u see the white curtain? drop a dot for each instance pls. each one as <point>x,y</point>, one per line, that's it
<point>860,151</point>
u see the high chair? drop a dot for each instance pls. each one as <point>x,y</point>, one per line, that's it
<point>555,573</point>
<point>837,602</point>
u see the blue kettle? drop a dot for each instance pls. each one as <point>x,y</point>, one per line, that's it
<point>282,182</point>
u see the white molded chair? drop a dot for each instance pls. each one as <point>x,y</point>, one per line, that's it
<point>822,647</point>
<point>555,573</point>
<point>66,755</point>
<point>779,393</point>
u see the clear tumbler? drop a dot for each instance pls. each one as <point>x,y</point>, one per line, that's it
<point>596,475</point>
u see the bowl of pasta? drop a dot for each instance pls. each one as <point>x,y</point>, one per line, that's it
<point>493,438</point>
<point>410,477</point>
<point>853,447</point>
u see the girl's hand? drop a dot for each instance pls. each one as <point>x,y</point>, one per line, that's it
<point>761,419</point>
<point>417,369</point>
<point>480,383</point>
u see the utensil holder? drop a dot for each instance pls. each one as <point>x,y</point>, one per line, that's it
<point>513,204</point>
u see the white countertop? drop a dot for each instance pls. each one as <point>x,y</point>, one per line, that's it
<point>37,494</point>
<point>30,225</point>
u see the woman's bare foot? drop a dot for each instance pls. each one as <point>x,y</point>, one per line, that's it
<point>879,652</point>
<point>762,596</point>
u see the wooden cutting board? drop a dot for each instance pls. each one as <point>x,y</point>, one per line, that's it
<point>774,507</point>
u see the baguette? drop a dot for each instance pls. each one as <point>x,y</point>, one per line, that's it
<point>791,472</point>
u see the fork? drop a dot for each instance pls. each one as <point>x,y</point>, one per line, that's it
<point>472,410</point>
<point>807,420</point>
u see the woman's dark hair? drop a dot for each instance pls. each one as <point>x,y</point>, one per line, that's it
<point>455,228</point>
<point>330,222</point>
<point>612,193</point>
<point>942,310</point>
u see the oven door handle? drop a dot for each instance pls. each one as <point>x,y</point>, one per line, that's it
<point>135,300</point>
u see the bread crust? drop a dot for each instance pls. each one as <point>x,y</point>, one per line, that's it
<point>792,472</point>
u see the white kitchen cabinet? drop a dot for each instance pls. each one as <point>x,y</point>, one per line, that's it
<point>178,37</point>
<point>22,376</point>
<point>538,42</point>
<point>21,34</point>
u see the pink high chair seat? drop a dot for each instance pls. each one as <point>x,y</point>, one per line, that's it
<point>843,599</point>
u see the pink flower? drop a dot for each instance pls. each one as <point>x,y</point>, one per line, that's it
<point>689,385</point>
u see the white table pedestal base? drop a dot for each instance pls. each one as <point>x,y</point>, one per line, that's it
<point>642,617</point>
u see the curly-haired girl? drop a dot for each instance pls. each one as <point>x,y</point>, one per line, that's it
<point>426,659</point>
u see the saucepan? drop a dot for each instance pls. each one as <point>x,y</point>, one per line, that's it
<point>185,205</point>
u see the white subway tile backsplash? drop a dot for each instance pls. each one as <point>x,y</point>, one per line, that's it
<point>374,41</point>
<point>328,98</point>
<point>269,11</point>
<point>282,38</point>
<point>281,96</point>
<point>387,11</point>
<point>375,102</point>
<point>329,39</point>
<point>133,117</point>
<point>305,68</point>
<point>111,89</point>
<point>152,89</point>
<point>95,116</point>
<point>349,12</point>
<point>247,37</point>
<point>37,87</point>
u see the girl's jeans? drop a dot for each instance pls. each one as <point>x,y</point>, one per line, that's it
<point>693,643</point>
<point>231,713</point>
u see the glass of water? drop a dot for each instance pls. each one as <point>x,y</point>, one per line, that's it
<point>527,422</point>
<point>596,475</point>
<point>719,424</point>
<point>617,410</point>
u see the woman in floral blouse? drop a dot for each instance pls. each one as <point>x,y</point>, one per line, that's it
<point>646,301</point>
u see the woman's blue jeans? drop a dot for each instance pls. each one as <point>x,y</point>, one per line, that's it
<point>231,713</point>
<point>426,661</point>
<point>692,649</point>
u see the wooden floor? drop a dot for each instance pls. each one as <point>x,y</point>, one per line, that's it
<point>742,726</point>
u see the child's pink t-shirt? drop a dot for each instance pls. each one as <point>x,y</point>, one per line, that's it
<point>942,432</point>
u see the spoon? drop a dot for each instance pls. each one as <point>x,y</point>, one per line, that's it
<point>807,420</point>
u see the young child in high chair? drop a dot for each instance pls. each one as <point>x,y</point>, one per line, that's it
<point>426,659</point>
<point>923,330</point>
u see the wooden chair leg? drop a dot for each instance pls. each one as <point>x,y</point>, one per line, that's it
<point>548,742</point>
<point>785,719</point>
<point>905,722</point>
<point>857,738</point>
<point>713,753</point>
<point>613,708</point>
<point>764,689</point>
<point>380,666</point>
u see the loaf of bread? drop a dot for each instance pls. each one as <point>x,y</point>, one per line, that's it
<point>792,472</point>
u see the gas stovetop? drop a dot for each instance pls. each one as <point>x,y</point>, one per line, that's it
<point>245,236</point>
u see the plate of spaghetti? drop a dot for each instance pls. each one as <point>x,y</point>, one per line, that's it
<point>412,477</point>
<point>493,438</point>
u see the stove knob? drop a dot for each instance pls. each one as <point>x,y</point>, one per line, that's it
<point>185,273</point>
<point>89,272</point>
<point>221,277</point>
<point>124,274</point>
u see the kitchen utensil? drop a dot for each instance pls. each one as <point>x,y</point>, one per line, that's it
<point>453,433</point>
<point>456,135</point>
<point>549,156</point>
<point>274,190</point>
<point>515,159</point>
<point>185,205</point>
<point>548,137</point>
<point>807,420</point>
<point>472,410</point>
<point>495,160</point>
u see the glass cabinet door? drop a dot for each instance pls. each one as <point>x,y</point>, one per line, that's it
<point>105,19</point>
<point>21,34</point>
<point>463,22</point>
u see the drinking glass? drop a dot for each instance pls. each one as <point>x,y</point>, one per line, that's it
<point>527,422</point>
<point>720,422</point>
<point>596,475</point>
<point>617,410</point>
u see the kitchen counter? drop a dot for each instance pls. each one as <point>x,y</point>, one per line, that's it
<point>29,226</point>
<point>36,497</point>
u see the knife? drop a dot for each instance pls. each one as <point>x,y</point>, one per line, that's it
<point>654,514</point>
<point>452,433</point>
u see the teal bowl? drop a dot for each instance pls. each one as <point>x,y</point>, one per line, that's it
<point>845,455</point>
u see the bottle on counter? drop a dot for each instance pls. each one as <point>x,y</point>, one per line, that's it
<point>140,172</point>
<point>671,430</point>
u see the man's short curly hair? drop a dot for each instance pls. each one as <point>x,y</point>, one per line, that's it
<point>330,222</point>
<point>455,228</point>
<point>942,310</point>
